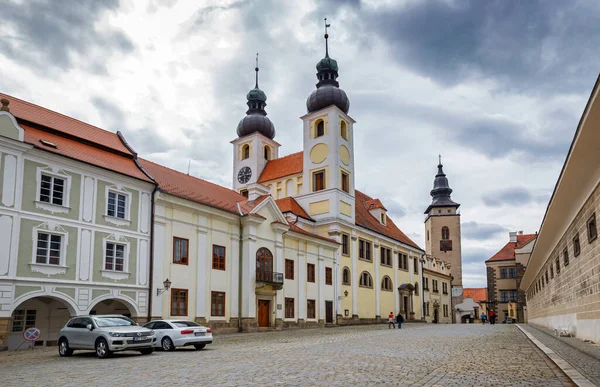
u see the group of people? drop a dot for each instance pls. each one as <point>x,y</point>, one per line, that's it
<point>492,318</point>
<point>392,323</point>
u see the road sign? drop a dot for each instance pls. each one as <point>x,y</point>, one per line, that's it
<point>31,334</point>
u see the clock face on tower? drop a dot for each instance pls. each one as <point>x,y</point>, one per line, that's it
<point>244,175</point>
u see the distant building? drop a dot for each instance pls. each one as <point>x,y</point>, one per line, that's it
<point>562,280</point>
<point>479,297</point>
<point>505,270</point>
<point>437,298</point>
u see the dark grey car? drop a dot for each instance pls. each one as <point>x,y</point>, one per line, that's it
<point>104,334</point>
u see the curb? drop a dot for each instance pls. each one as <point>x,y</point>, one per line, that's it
<point>565,367</point>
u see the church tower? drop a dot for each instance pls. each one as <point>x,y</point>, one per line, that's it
<point>328,140</point>
<point>442,230</point>
<point>254,146</point>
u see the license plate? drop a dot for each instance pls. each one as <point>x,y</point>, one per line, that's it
<point>199,333</point>
<point>139,338</point>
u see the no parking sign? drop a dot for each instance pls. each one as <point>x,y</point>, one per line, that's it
<point>31,334</point>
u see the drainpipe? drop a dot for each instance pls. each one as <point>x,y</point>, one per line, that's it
<point>151,269</point>
<point>240,263</point>
<point>422,289</point>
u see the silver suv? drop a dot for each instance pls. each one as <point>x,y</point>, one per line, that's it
<point>105,334</point>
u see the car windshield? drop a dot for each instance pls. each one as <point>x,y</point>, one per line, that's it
<point>116,321</point>
<point>183,324</point>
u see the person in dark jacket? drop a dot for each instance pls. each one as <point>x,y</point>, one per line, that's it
<point>399,320</point>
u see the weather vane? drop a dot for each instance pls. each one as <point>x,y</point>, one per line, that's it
<point>326,37</point>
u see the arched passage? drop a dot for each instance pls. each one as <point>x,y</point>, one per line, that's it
<point>111,305</point>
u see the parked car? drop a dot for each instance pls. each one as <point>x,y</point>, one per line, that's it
<point>104,334</point>
<point>171,334</point>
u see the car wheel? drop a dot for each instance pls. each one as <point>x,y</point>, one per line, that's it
<point>199,346</point>
<point>102,350</point>
<point>63,348</point>
<point>167,344</point>
<point>146,351</point>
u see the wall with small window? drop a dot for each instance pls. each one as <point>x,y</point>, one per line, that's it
<point>117,205</point>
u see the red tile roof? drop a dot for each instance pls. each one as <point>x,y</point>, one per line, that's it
<point>290,204</point>
<point>375,203</point>
<point>477,294</point>
<point>281,167</point>
<point>300,230</point>
<point>507,252</point>
<point>366,220</point>
<point>26,111</point>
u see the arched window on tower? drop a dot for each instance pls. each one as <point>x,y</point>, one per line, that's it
<point>320,129</point>
<point>346,276</point>
<point>267,153</point>
<point>245,151</point>
<point>344,130</point>
<point>445,233</point>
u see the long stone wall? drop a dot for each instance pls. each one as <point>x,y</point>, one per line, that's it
<point>572,298</point>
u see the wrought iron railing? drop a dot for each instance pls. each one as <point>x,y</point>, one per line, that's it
<point>269,277</point>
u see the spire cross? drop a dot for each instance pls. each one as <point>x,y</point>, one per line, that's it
<point>256,69</point>
<point>326,37</point>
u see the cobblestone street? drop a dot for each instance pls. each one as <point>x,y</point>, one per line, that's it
<point>419,355</point>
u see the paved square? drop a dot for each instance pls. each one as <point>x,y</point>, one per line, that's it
<point>419,355</point>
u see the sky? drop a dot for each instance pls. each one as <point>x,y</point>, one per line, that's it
<point>496,87</point>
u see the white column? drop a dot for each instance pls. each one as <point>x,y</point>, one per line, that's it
<point>279,268</point>
<point>234,264</point>
<point>354,254</point>
<point>301,286</point>
<point>337,276</point>
<point>158,271</point>
<point>377,280</point>
<point>321,282</point>
<point>249,277</point>
<point>396,284</point>
<point>202,276</point>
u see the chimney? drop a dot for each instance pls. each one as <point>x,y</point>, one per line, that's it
<point>521,232</point>
<point>512,237</point>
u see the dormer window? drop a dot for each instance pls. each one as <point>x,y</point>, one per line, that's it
<point>382,220</point>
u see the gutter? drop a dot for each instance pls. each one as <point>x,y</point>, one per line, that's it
<point>240,259</point>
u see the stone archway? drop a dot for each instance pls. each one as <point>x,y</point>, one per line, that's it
<point>406,301</point>
<point>114,306</point>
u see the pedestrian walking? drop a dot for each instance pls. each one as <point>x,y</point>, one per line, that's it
<point>483,318</point>
<point>399,320</point>
<point>391,321</point>
<point>492,317</point>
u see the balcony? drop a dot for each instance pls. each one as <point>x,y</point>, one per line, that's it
<point>269,277</point>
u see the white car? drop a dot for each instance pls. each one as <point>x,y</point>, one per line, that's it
<point>171,334</point>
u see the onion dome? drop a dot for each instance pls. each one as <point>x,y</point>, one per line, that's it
<point>328,90</point>
<point>256,119</point>
<point>441,190</point>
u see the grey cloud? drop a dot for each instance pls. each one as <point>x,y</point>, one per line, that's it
<point>513,196</point>
<point>474,255</point>
<point>50,35</point>
<point>109,110</point>
<point>481,231</point>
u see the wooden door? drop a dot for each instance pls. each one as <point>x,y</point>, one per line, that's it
<point>264,313</point>
<point>329,312</point>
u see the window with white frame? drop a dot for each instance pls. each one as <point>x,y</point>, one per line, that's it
<point>114,257</point>
<point>23,319</point>
<point>117,205</point>
<point>48,248</point>
<point>52,189</point>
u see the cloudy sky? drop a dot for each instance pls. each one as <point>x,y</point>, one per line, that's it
<point>496,87</point>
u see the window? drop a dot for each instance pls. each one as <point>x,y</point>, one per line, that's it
<point>512,272</point>
<point>402,261</point>
<point>180,251</point>
<point>435,286</point>
<point>364,250</point>
<point>310,309</point>
<point>328,276</point>
<point>218,257</point>
<point>310,272</point>
<point>115,257</point>
<point>52,190</point>
<point>566,257</point>
<point>365,280</point>
<point>179,302</point>
<point>446,310</point>
<point>345,244</point>
<point>551,271</point>
<point>245,151</point>
<point>48,248</point>
<point>426,285</point>
<point>346,276</point>
<point>117,205</point>
<point>514,295</point>
<point>386,284</point>
<point>244,193</point>
<point>320,129</point>
<point>592,231</point>
<point>416,265</point>
<point>345,182</point>
<point>23,319</point>
<point>504,296</point>
<point>416,288</point>
<point>547,276</point>
<point>267,152</point>
<point>503,272</point>
<point>428,309</point>
<point>289,308</point>
<point>445,233</point>
<point>344,130</point>
<point>386,256</point>
<point>576,246</point>
<point>445,287</point>
<point>289,269</point>
<point>557,266</point>
<point>217,303</point>
<point>382,218</point>
<point>319,180</point>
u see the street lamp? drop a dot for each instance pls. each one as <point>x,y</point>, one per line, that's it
<point>167,286</point>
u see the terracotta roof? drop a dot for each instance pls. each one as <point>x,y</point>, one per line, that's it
<point>477,294</point>
<point>283,166</point>
<point>26,111</point>
<point>507,252</point>
<point>300,230</point>
<point>83,152</point>
<point>290,204</point>
<point>375,203</point>
<point>366,220</point>
<point>192,188</point>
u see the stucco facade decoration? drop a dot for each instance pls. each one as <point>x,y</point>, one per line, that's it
<point>437,297</point>
<point>561,280</point>
<point>74,235</point>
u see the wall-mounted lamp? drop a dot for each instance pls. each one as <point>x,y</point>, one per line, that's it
<point>345,293</point>
<point>167,286</point>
